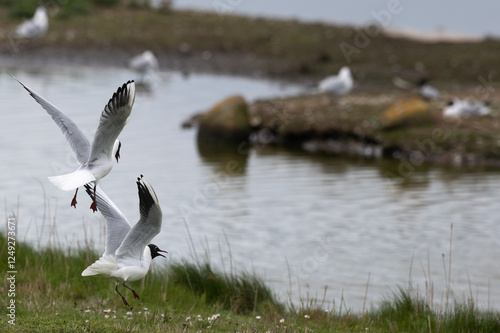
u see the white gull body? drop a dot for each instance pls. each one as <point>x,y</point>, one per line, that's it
<point>34,27</point>
<point>425,90</point>
<point>459,108</point>
<point>128,254</point>
<point>95,160</point>
<point>337,84</point>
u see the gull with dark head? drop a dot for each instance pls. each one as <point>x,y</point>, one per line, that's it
<point>426,91</point>
<point>456,108</point>
<point>95,160</point>
<point>423,87</point>
<point>128,254</point>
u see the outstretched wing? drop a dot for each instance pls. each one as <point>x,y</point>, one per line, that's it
<point>117,225</point>
<point>146,229</point>
<point>113,119</point>
<point>75,137</point>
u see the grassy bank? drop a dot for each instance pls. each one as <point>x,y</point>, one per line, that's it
<point>51,296</point>
<point>284,48</point>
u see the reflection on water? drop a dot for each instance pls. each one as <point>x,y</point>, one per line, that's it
<point>223,157</point>
<point>301,221</point>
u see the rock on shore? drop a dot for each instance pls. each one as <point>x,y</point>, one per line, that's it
<point>227,121</point>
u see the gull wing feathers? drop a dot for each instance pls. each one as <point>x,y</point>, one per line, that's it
<point>117,225</point>
<point>77,140</point>
<point>72,180</point>
<point>149,225</point>
<point>113,118</point>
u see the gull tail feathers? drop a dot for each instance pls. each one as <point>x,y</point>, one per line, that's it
<point>104,265</point>
<point>71,181</point>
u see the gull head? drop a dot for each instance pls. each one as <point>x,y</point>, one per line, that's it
<point>345,71</point>
<point>155,251</point>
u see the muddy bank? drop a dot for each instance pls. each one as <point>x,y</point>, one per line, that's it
<point>357,125</point>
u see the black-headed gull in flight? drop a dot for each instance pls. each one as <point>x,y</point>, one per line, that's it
<point>96,160</point>
<point>459,108</point>
<point>128,254</point>
<point>34,27</point>
<point>339,84</point>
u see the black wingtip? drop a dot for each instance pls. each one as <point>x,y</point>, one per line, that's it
<point>120,97</point>
<point>89,190</point>
<point>22,84</point>
<point>147,197</point>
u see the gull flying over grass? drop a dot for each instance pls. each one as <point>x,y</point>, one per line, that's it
<point>95,160</point>
<point>127,254</point>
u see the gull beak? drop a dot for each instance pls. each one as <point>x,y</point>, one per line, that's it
<point>161,254</point>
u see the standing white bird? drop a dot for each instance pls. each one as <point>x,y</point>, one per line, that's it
<point>459,108</point>
<point>128,254</point>
<point>36,26</point>
<point>426,91</point>
<point>339,84</point>
<point>96,160</point>
<point>144,63</point>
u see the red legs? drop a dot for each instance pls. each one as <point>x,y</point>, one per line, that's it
<point>73,202</point>
<point>123,298</point>
<point>132,290</point>
<point>93,206</point>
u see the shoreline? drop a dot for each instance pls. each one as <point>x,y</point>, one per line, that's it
<point>242,46</point>
<point>277,48</point>
<point>219,63</point>
<point>303,133</point>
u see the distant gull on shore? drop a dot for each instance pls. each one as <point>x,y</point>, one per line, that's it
<point>424,89</point>
<point>95,160</point>
<point>145,64</point>
<point>339,84</point>
<point>128,254</point>
<point>460,108</point>
<point>36,26</point>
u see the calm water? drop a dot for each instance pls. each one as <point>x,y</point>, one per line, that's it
<point>301,221</point>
